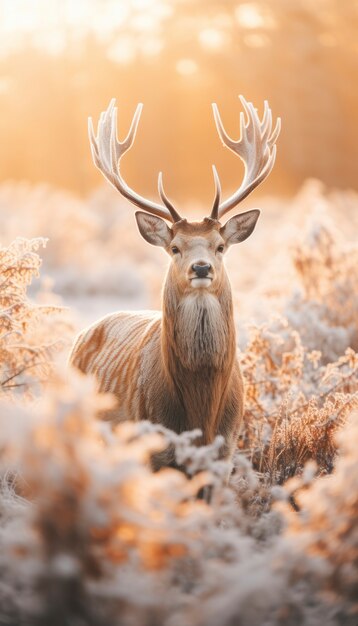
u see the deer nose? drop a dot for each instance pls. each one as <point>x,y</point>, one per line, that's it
<point>201,269</point>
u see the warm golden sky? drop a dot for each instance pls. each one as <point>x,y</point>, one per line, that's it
<point>61,61</point>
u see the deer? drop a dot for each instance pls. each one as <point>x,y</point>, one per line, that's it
<point>178,367</point>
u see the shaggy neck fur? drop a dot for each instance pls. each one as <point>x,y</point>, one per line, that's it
<point>198,350</point>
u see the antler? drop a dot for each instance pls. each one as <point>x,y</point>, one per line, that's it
<point>256,148</point>
<point>107,152</point>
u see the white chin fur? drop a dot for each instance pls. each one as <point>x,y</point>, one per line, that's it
<point>200,282</point>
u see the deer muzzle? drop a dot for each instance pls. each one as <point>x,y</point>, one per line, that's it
<point>201,275</point>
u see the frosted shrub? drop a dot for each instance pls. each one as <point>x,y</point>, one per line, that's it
<point>89,535</point>
<point>327,534</point>
<point>294,404</point>
<point>29,334</point>
<point>98,538</point>
<point>97,520</point>
<point>87,254</point>
<point>301,370</point>
<point>325,310</point>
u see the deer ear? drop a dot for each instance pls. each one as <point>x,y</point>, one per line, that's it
<point>239,227</point>
<point>153,229</point>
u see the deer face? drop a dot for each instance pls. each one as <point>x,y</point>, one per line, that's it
<point>196,248</point>
<point>197,253</point>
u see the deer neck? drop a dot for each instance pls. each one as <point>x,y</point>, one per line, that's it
<point>198,351</point>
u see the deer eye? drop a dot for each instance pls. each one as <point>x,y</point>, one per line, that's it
<point>175,250</point>
<point>220,249</point>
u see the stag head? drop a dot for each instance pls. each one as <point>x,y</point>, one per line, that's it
<point>196,248</point>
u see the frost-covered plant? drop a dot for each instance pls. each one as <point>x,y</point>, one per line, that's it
<point>98,538</point>
<point>326,531</point>
<point>29,333</point>
<point>325,309</point>
<point>301,370</point>
<point>97,521</point>
<point>294,404</point>
<point>89,535</point>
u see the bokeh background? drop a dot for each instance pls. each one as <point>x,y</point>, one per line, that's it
<point>63,60</point>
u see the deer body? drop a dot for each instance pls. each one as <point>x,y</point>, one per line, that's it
<point>132,357</point>
<point>178,367</point>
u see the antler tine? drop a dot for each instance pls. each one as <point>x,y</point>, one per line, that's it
<point>129,140</point>
<point>256,148</point>
<point>275,133</point>
<point>175,215</point>
<point>107,152</point>
<point>214,212</point>
<point>266,124</point>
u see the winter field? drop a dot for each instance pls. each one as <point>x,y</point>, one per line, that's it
<point>88,535</point>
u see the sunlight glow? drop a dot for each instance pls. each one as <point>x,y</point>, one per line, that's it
<point>144,22</point>
<point>252,15</point>
<point>46,23</point>
<point>212,38</point>
<point>186,67</point>
<point>151,46</point>
<point>249,16</point>
<point>122,50</point>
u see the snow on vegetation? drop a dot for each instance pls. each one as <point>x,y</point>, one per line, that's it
<point>88,534</point>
